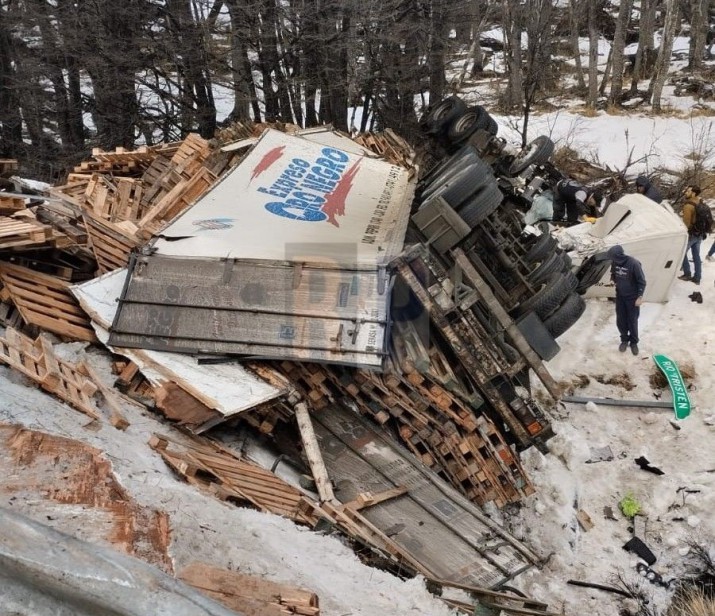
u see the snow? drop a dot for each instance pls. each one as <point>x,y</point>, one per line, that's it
<point>678,504</point>
<point>648,143</point>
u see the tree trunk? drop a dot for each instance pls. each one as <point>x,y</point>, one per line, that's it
<point>592,57</point>
<point>512,29</point>
<point>698,33</point>
<point>575,13</point>
<point>438,38</point>
<point>239,77</point>
<point>645,43</point>
<point>11,145</point>
<point>619,43</point>
<point>666,49</point>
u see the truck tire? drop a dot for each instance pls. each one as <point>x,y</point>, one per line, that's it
<point>445,163</point>
<point>567,264</point>
<point>481,205</point>
<point>537,152</point>
<point>469,181</point>
<point>436,118</point>
<point>465,125</point>
<point>548,298</point>
<point>493,127</point>
<point>590,272</point>
<point>475,164</point>
<point>551,263</point>
<point>566,315</point>
<point>543,245</point>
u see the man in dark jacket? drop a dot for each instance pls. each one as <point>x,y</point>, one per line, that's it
<point>574,199</point>
<point>628,276</point>
<point>646,188</point>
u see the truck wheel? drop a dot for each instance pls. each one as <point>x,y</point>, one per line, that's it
<point>465,125</point>
<point>437,118</point>
<point>567,314</point>
<point>567,264</point>
<point>551,263</point>
<point>591,272</point>
<point>481,205</point>
<point>493,127</point>
<point>468,183</point>
<point>548,298</point>
<point>475,166</point>
<point>543,246</point>
<point>536,152</point>
<point>466,151</point>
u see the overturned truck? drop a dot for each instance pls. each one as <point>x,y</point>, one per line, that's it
<point>416,298</point>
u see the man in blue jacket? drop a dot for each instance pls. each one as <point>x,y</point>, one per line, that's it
<point>628,276</point>
<point>646,188</point>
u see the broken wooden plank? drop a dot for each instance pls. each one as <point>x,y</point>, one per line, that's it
<point>312,452</point>
<point>368,499</point>
<point>116,412</point>
<point>250,594</point>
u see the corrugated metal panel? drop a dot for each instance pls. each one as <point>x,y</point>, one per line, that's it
<point>226,388</point>
<point>267,309</point>
<point>434,523</point>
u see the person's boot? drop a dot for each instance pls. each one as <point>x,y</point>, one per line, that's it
<point>634,348</point>
<point>685,277</point>
<point>623,346</point>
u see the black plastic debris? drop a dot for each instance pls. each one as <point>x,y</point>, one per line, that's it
<point>645,465</point>
<point>652,576</point>
<point>696,297</point>
<point>637,546</point>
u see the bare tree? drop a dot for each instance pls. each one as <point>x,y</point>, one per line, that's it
<point>619,43</point>
<point>698,33</point>
<point>672,11</point>
<point>592,56</point>
<point>512,24</point>
<point>576,10</point>
<point>645,53</point>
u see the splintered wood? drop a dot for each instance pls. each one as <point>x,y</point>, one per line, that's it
<point>209,466</point>
<point>248,594</point>
<point>69,483</point>
<point>36,360</point>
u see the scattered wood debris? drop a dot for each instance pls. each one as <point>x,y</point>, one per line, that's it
<point>248,594</point>
<point>53,474</point>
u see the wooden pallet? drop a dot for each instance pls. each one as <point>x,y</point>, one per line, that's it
<point>36,360</point>
<point>214,468</point>
<point>23,232</point>
<point>46,301</point>
<point>178,199</point>
<point>10,205</point>
<point>250,594</point>
<point>111,243</point>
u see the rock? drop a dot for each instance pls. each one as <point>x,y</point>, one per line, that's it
<point>650,419</point>
<point>684,551</point>
<point>591,407</point>
<point>693,521</point>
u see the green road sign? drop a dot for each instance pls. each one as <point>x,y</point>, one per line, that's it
<point>681,400</point>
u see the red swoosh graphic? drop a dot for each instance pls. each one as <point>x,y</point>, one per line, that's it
<point>335,201</point>
<point>268,159</point>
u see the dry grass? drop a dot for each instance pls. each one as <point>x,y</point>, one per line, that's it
<point>692,602</point>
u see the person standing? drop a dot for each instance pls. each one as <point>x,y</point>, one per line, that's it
<point>646,188</point>
<point>627,274</point>
<point>695,237</point>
